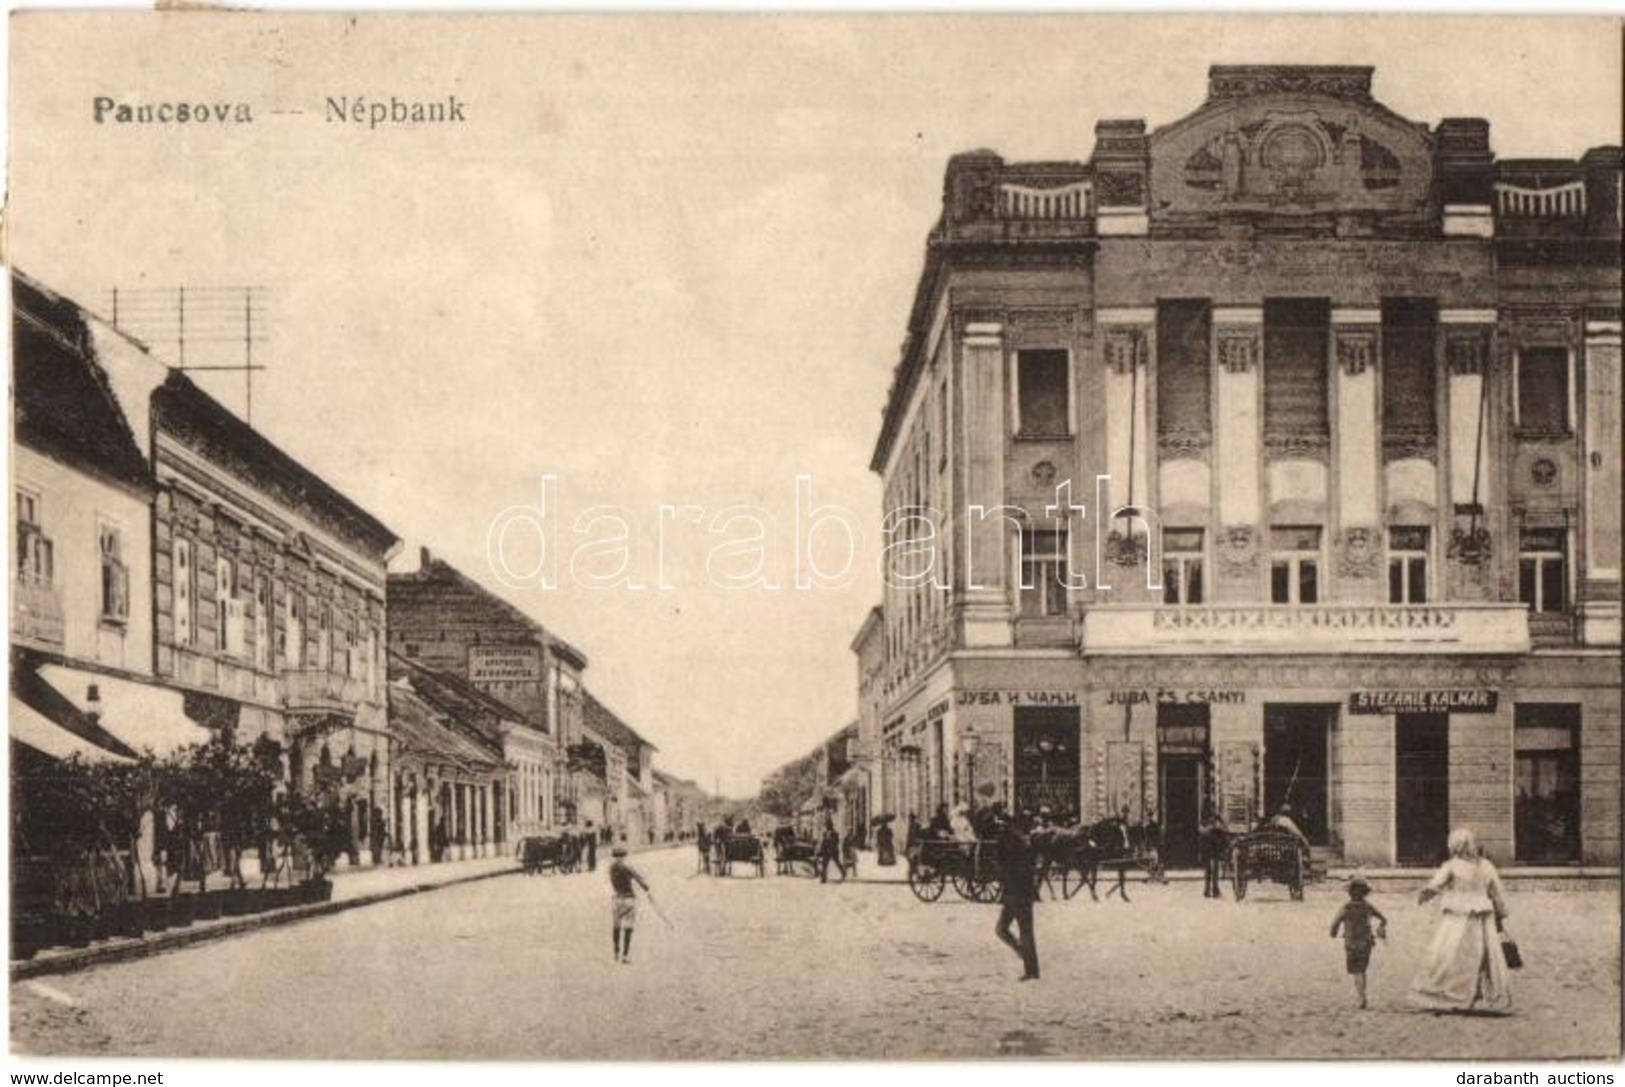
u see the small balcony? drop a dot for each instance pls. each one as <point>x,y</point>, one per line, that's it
<point>316,690</point>
<point>1306,628</point>
<point>36,613</point>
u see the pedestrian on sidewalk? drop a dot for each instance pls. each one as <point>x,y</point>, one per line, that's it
<point>1210,845</point>
<point>1355,921</point>
<point>592,848</point>
<point>829,851</point>
<point>1018,895</point>
<point>624,902</point>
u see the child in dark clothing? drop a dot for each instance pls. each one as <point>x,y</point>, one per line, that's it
<point>1355,920</point>
<point>624,903</point>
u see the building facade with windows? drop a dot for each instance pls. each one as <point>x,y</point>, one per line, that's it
<point>233,590</point>
<point>1269,456</point>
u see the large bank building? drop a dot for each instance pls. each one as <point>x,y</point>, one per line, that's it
<point>1353,383</point>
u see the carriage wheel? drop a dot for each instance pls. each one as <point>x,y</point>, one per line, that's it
<point>1072,881</point>
<point>964,886</point>
<point>808,867</point>
<point>926,883</point>
<point>1296,882</point>
<point>986,891</point>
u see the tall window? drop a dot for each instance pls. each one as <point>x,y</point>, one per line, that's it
<point>1408,564</point>
<point>1543,390</point>
<point>185,588</point>
<point>1183,368</point>
<point>225,595</point>
<point>35,557</point>
<point>1409,371</point>
<point>943,422</point>
<point>1295,564</point>
<point>262,623</point>
<point>1043,572</point>
<point>1542,571</point>
<point>1181,566</point>
<point>115,575</point>
<point>1297,332</point>
<point>293,627</point>
<point>324,637</point>
<point>1043,400</point>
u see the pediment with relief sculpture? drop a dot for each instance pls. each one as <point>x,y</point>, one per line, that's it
<point>1290,141</point>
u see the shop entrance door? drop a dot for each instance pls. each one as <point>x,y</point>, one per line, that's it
<point>1421,786</point>
<point>1546,773</point>
<point>1296,741</point>
<point>1182,758</point>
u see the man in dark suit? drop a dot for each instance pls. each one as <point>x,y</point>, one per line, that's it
<point>1017,871</point>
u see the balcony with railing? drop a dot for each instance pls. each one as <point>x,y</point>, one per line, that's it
<point>36,613</point>
<point>317,690</point>
<point>991,200</point>
<point>1306,628</point>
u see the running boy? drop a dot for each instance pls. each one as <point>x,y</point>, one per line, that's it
<point>1355,920</point>
<point>625,903</point>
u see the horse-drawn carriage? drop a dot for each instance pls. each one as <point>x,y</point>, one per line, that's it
<point>731,849</point>
<point>793,856</point>
<point>548,852</point>
<point>1075,855</point>
<point>1271,853</point>
<point>972,868</point>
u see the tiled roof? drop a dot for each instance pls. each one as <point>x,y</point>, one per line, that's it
<point>452,599</point>
<point>183,409</point>
<point>456,697</point>
<point>602,720</point>
<point>419,727</point>
<point>64,405</point>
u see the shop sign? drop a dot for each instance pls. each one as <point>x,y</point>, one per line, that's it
<point>1163,696</point>
<point>1434,701</point>
<point>940,709</point>
<point>1018,698</point>
<point>504,664</point>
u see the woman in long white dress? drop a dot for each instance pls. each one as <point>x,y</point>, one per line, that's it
<point>1465,968</point>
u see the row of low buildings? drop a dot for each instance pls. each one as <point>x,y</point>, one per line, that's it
<point>178,577</point>
<point>1269,456</point>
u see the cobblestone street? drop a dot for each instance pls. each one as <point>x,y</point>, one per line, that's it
<point>520,968</point>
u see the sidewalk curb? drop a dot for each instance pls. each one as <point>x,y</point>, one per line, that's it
<point>173,939</point>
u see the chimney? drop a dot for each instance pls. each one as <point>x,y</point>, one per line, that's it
<point>424,558</point>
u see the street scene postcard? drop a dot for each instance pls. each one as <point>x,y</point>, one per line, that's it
<point>947,537</point>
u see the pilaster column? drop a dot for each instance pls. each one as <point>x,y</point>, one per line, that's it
<point>487,839</point>
<point>1600,515</point>
<point>986,611</point>
<point>1358,511</point>
<point>1238,352</point>
<point>1467,340</point>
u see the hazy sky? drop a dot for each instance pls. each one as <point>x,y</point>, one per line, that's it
<point>666,260</point>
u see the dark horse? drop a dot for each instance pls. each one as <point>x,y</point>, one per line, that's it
<point>1077,854</point>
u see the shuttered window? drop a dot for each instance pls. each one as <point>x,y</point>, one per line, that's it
<point>1409,372</point>
<point>1182,368</point>
<point>1295,369</point>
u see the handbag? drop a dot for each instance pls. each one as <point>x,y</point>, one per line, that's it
<point>1509,948</point>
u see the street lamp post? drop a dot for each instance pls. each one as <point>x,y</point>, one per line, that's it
<point>969,743</point>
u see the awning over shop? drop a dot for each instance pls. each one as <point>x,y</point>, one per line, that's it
<point>31,727</point>
<point>141,716</point>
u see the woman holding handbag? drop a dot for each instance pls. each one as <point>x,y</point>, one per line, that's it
<point>1465,968</point>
